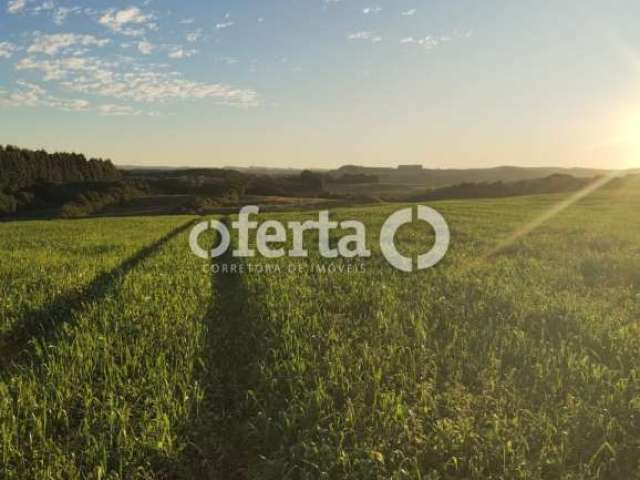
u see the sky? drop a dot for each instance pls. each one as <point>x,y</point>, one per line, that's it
<point>324,83</point>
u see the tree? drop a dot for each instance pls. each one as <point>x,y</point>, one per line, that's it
<point>311,180</point>
<point>21,169</point>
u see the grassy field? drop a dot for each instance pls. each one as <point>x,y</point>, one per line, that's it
<point>124,356</point>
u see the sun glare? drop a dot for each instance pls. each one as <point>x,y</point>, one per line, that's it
<point>633,137</point>
<point>622,149</point>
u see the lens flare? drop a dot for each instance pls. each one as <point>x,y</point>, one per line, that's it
<point>551,213</point>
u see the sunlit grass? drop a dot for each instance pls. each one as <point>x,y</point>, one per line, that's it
<point>518,365</point>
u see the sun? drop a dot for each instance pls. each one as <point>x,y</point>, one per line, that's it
<point>622,147</point>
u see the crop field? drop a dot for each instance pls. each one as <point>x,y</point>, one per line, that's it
<point>125,356</point>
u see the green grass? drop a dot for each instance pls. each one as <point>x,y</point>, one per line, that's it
<point>44,260</point>
<point>519,365</point>
<point>110,388</point>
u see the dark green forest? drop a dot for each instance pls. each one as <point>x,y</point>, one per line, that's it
<point>21,168</point>
<point>35,178</point>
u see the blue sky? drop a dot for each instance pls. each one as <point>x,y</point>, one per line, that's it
<point>320,83</point>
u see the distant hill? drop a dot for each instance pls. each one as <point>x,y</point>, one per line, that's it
<point>150,168</point>
<point>273,172</point>
<point>556,183</point>
<point>389,176</point>
<point>437,178</point>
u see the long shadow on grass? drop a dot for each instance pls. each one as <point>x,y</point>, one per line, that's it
<point>37,326</point>
<point>221,443</point>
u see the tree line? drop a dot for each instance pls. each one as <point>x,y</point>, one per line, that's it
<point>22,169</point>
<point>24,173</point>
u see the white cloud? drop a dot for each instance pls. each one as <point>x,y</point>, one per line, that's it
<point>125,21</point>
<point>45,6</point>
<point>194,36</point>
<point>83,69</point>
<point>179,53</point>
<point>32,7</point>
<point>53,44</point>
<point>61,14</point>
<point>27,95</point>
<point>223,25</point>
<point>73,105</point>
<point>16,6</point>
<point>145,47</point>
<point>410,12</point>
<point>372,10</point>
<point>70,65</point>
<point>32,95</point>
<point>430,42</point>
<point>7,49</point>
<point>369,36</point>
<point>137,82</point>
<point>360,36</point>
<point>117,110</point>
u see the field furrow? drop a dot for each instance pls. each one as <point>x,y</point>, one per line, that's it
<point>520,365</point>
<point>109,393</point>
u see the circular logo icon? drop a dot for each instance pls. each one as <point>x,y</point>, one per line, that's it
<point>426,260</point>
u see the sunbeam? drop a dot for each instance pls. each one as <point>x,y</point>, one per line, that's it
<point>551,213</point>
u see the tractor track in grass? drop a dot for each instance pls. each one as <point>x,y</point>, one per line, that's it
<point>221,444</point>
<point>43,324</point>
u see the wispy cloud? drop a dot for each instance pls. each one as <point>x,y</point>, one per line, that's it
<point>7,49</point>
<point>31,95</point>
<point>130,21</point>
<point>61,42</point>
<point>368,36</point>
<point>145,48</point>
<point>195,36</point>
<point>46,6</point>
<point>57,13</point>
<point>226,23</point>
<point>16,6</point>
<point>429,42</point>
<point>140,83</point>
<point>179,53</point>
<point>61,13</point>
<point>410,12</point>
<point>112,110</point>
<point>223,25</point>
<point>372,10</point>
